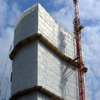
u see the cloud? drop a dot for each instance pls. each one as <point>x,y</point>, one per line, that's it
<point>89,94</point>
<point>25,1</point>
<point>13,14</point>
<point>6,28</point>
<point>4,7</point>
<point>90,17</point>
<point>64,2</point>
<point>64,17</point>
<point>9,13</point>
<point>91,41</point>
<point>97,95</point>
<point>89,9</point>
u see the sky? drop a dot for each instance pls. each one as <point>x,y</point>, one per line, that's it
<point>62,11</point>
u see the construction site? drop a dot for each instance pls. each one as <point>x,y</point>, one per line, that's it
<point>47,60</point>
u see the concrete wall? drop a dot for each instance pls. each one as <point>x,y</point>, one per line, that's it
<point>41,96</point>
<point>55,75</point>
<point>35,96</point>
<point>24,71</point>
<point>56,34</point>
<point>32,96</point>
<point>35,64</point>
<point>37,20</point>
<point>27,24</point>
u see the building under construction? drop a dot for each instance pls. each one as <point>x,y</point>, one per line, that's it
<point>44,59</point>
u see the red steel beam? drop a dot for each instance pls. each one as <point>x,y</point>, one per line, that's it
<point>77,33</point>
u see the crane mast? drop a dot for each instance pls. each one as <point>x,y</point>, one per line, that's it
<point>77,33</point>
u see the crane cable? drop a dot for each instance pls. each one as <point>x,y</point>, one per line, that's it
<point>8,83</point>
<point>2,77</point>
<point>4,71</point>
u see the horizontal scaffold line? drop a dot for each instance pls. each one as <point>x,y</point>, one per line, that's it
<point>48,44</point>
<point>35,89</point>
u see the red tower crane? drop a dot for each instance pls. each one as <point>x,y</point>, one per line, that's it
<point>77,33</point>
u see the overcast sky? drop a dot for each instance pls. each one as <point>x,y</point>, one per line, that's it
<point>62,11</point>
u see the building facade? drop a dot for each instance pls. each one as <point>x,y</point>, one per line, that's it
<point>43,66</point>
